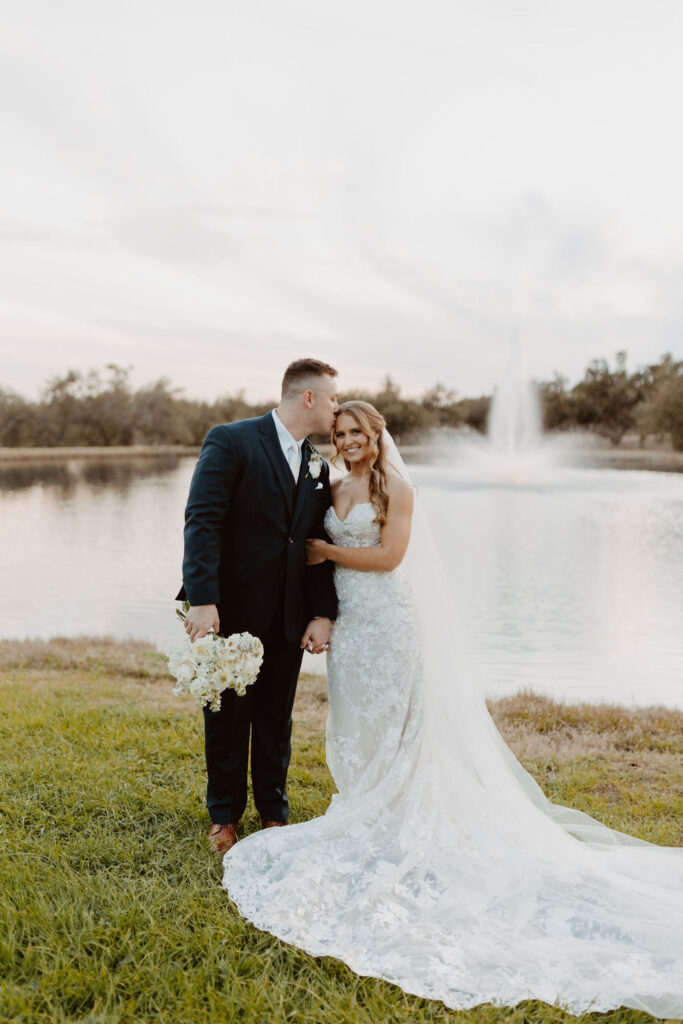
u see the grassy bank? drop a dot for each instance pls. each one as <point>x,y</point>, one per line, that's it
<point>112,909</point>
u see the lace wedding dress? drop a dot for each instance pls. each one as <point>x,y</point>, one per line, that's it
<point>440,865</point>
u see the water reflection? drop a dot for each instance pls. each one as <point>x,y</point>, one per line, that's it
<point>571,584</point>
<point>18,476</point>
<point>66,475</point>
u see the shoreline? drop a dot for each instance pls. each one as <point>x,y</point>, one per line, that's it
<point>663,460</point>
<point>142,660</point>
<point>132,451</point>
<point>658,460</point>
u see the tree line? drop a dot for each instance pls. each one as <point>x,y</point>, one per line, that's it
<point>100,407</point>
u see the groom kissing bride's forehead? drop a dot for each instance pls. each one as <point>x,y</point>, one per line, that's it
<point>259,491</point>
<point>439,864</point>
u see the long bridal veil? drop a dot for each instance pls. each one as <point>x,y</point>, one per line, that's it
<point>443,867</point>
<point>605,905</point>
<point>458,728</point>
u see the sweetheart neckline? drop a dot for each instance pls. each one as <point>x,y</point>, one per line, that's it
<point>358,504</point>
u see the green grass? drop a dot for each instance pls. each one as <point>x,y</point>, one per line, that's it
<point>112,909</point>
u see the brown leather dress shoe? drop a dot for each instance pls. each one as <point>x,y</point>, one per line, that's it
<point>222,837</point>
<point>273,824</point>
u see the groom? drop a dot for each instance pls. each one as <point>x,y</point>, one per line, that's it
<point>259,489</point>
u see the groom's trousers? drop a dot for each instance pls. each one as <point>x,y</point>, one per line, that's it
<point>265,711</point>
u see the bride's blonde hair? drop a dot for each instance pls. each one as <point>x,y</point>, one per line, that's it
<point>372,423</point>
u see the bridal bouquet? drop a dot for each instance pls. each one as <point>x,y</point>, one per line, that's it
<point>215,663</point>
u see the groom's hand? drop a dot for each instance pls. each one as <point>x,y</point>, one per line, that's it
<point>316,637</point>
<point>200,619</point>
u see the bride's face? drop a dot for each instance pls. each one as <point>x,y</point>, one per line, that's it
<point>350,440</point>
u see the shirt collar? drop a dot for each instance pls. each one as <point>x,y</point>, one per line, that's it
<point>285,438</point>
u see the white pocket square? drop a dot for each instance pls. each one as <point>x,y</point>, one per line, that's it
<point>318,487</point>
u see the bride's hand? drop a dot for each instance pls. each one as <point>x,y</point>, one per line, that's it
<point>316,551</point>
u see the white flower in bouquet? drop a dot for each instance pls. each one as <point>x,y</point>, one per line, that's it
<point>212,664</point>
<point>203,647</point>
<point>184,673</point>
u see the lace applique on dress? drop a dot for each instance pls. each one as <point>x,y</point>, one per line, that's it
<point>373,660</point>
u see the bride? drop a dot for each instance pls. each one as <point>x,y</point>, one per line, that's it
<point>440,865</point>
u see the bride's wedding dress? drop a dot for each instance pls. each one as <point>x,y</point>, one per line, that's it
<point>440,865</point>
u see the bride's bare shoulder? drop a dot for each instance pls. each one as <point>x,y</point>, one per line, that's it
<point>400,491</point>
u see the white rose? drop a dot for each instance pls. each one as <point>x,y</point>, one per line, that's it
<point>223,678</point>
<point>184,674</point>
<point>203,646</point>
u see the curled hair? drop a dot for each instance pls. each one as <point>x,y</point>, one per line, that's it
<point>372,423</point>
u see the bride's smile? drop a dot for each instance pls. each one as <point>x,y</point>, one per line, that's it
<point>355,446</point>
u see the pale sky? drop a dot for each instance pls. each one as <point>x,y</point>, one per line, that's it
<point>208,190</point>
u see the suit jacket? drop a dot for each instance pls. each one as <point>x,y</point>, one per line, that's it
<point>246,524</point>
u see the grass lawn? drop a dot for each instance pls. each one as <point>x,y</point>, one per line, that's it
<point>112,909</point>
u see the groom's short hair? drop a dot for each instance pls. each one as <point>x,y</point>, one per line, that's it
<point>298,375</point>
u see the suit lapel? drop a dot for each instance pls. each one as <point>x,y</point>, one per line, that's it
<point>306,481</point>
<point>271,444</point>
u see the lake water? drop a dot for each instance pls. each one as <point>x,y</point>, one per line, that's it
<point>571,585</point>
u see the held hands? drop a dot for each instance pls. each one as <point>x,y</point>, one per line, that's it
<point>200,619</point>
<point>316,551</point>
<point>316,638</point>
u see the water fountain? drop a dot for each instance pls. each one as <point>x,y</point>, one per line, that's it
<point>515,449</point>
<point>514,427</point>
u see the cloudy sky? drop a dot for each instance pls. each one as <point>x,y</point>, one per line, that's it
<point>207,190</point>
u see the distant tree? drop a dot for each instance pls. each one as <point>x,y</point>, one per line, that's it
<point>59,407</point>
<point>406,417</point>
<point>107,411</point>
<point>670,410</point>
<point>441,402</point>
<point>474,412</point>
<point>158,415</point>
<point>17,420</point>
<point>82,409</point>
<point>606,400</point>
<point>197,419</point>
<point>661,412</point>
<point>556,404</point>
<point>228,408</point>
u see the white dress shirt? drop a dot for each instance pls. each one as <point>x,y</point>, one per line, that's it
<point>291,449</point>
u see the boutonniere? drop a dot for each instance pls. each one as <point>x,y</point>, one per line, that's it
<point>315,464</point>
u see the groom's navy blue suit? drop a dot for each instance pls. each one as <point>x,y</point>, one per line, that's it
<point>246,524</point>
